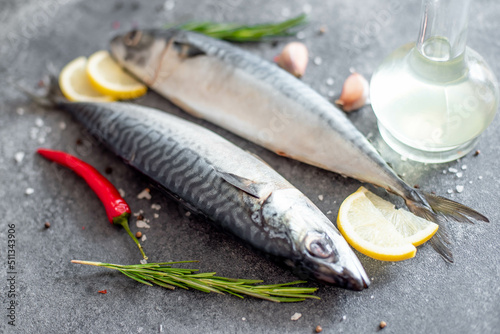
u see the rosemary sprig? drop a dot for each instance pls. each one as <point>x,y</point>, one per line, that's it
<point>243,33</point>
<point>164,275</point>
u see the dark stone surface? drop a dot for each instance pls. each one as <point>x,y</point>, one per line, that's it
<point>54,296</point>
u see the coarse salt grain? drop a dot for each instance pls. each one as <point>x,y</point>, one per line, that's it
<point>156,206</point>
<point>29,191</point>
<point>344,317</point>
<point>20,111</point>
<point>460,174</point>
<point>121,192</point>
<point>144,261</point>
<point>460,188</point>
<point>449,191</point>
<point>320,197</point>
<point>328,212</point>
<point>452,170</point>
<point>39,122</point>
<point>307,8</point>
<point>244,319</point>
<point>143,238</point>
<point>331,93</point>
<point>464,167</point>
<point>155,215</point>
<point>480,177</point>
<point>144,194</point>
<point>142,224</point>
<point>317,60</point>
<point>301,35</point>
<point>169,5</point>
<point>187,214</point>
<point>62,125</point>
<point>296,316</point>
<point>330,81</point>
<point>19,156</point>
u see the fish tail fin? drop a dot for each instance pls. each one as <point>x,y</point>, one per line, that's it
<point>50,98</point>
<point>441,210</point>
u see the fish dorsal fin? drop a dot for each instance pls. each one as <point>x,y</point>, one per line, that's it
<point>246,185</point>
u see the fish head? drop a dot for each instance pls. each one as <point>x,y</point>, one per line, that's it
<point>318,249</point>
<point>140,52</point>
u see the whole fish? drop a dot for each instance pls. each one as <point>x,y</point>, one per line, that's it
<point>238,191</point>
<point>257,100</point>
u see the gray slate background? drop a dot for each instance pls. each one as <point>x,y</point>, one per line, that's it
<point>423,294</point>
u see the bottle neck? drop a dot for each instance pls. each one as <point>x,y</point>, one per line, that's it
<point>443,30</point>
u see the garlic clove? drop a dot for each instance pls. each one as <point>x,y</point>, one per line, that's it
<point>293,58</point>
<point>354,93</point>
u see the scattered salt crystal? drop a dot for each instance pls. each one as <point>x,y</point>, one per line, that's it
<point>187,214</point>
<point>20,111</point>
<point>329,212</point>
<point>317,60</point>
<point>301,35</point>
<point>480,177</point>
<point>29,191</point>
<point>344,317</point>
<point>470,182</point>
<point>320,197</point>
<point>62,125</point>
<point>331,93</point>
<point>352,69</point>
<point>142,224</point>
<point>403,158</point>
<point>19,156</point>
<point>449,191</point>
<point>334,202</point>
<point>244,319</point>
<point>169,5</point>
<point>464,167</point>
<point>34,133</point>
<point>144,194</point>
<point>404,174</point>
<point>138,213</point>
<point>460,174</point>
<point>372,296</point>
<point>143,238</point>
<point>296,316</point>
<point>41,140</point>
<point>39,122</point>
<point>140,329</point>
<point>155,206</point>
<point>156,215</point>
<point>144,261</point>
<point>330,81</point>
<point>452,170</point>
<point>285,12</point>
<point>122,192</point>
<point>444,171</point>
<point>307,8</point>
<point>460,188</point>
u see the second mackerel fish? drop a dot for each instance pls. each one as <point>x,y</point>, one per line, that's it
<point>255,99</point>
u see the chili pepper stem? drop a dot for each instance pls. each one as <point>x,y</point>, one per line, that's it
<point>123,221</point>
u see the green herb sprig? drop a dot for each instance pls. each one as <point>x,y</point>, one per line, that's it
<point>235,32</point>
<point>164,275</point>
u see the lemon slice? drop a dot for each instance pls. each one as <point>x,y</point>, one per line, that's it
<point>75,84</point>
<point>367,230</point>
<point>110,79</point>
<point>413,228</point>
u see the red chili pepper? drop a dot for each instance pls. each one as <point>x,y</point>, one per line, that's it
<point>117,209</point>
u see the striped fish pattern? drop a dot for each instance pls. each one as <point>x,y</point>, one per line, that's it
<point>234,189</point>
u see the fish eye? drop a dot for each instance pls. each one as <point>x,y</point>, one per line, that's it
<point>132,38</point>
<point>320,245</point>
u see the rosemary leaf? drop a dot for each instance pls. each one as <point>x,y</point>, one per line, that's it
<point>163,275</point>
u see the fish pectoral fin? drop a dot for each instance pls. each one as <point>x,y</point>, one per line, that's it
<point>246,185</point>
<point>186,50</point>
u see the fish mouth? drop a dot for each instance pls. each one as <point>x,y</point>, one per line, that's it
<point>356,281</point>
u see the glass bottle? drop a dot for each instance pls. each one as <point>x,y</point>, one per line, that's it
<point>433,98</point>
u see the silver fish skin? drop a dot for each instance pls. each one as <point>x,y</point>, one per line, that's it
<point>235,189</point>
<point>257,100</point>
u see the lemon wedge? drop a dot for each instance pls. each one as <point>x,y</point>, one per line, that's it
<point>413,228</point>
<point>110,79</point>
<point>374,227</point>
<point>75,84</point>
